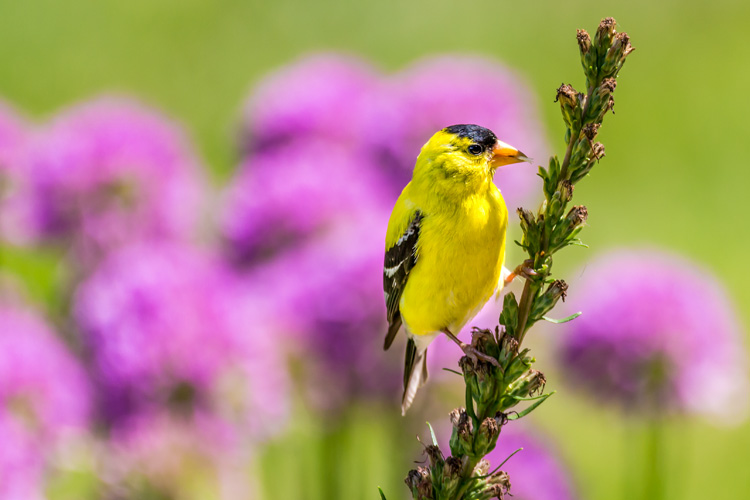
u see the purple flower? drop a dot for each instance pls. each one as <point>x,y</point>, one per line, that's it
<point>21,463</point>
<point>158,453</point>
<point>167,330</point>
<point>328,298</point>
<point>44,399</point>
<point>288,196</point>
<point>385,121</point>
<point>657,334</point>
<point>324,97</point>
<point>446,90</point>
<point>14,132</point>
<point>110,171</point>
<point>535,472</point>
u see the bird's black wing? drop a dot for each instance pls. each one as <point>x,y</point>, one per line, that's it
<point>400,259</point>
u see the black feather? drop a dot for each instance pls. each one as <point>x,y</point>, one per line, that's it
<point>480,135</point>
<point>400,259</point>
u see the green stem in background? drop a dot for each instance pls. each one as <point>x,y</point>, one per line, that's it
<point>653,460</point>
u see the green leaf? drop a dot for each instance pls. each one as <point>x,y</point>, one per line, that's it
<point>534,398</point>
<point>523,413</point>
<point>470,405</point>
<point>432,433</point>
<point>504,461</point>
<point>578,243</point>
<point>563,320</point>
<point>453,371</point>
<point>382,495</point>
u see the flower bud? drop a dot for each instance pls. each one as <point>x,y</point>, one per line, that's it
<point>467,366</point>
<point>546,301</point>
<point>453,467</point>
<point>420,482</point>
<point>577,216</point>
<point>486,436</point>
<point>509,348</point>
<point>594,153</point>
<point>456,415</point>
<point>531,235</point>
<point>526,386</point>
<point>526,216</point>
<point>604,35</point>
<point>598,151</point>
<point>499,484</point>
<point>615,56</point>
<point>566,190</point>
<point>434,455</point>
<point>451,477</point>
<point>584,41</point>
<point>501,419</point>
<point>484,341</point>
<point>571,104</point>
<point>461,437</point>
<point>558,289</point>
<point>588,56</point>
<point>602,101</point>
<point>590,130</point>
<point>482,468</point>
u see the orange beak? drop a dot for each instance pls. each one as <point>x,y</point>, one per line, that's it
<point>505,154</point>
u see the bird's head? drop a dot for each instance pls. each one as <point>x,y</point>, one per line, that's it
<point>465,155</point>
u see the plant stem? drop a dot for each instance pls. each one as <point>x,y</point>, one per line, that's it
<point>653,460</point>
<point>527,296</point>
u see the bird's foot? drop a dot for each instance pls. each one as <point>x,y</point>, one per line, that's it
<point>525,270</point>
<point>473,353</point>
<point>469,350</point>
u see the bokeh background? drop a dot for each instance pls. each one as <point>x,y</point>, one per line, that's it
<point>673,180</point>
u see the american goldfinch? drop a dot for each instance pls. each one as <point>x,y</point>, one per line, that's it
<point>445,244</point>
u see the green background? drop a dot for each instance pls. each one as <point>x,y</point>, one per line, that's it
<point>675,175</point>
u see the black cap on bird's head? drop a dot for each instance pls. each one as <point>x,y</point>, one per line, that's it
<point>480,135</point>
<point>486,140</point>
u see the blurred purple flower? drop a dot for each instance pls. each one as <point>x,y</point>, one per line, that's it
<point>288,196</point>
<point>44,400</point>
<point>160,455</point>
<point>341,100</point>
<point>109,171</point>
<point>167,330</point>
<point>657,334</point>
<point>324,97</point>
<point>21,463</point>
<point>440,91</point>
<point>14,132</point>
<point>329,306</point>
<point>535,472</point>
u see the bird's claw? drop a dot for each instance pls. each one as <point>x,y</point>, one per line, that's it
<point>469,350</point>
<point>473,353</point>
<point>525,270</point>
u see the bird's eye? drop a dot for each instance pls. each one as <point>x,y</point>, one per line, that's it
<point>476,149</point>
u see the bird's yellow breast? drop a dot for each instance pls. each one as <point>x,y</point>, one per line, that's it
<point>461,251</point>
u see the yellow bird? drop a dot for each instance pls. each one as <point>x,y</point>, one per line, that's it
<point>445,245</point>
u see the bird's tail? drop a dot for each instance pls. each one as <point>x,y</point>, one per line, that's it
<point>415,373</point>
